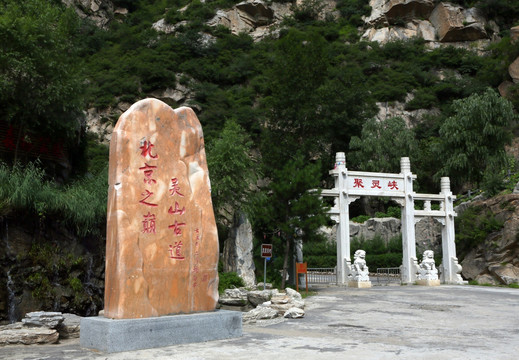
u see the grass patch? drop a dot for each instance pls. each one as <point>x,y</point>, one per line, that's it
<point>305,294</point>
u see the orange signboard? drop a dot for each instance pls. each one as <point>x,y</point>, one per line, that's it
<point>301,269</point>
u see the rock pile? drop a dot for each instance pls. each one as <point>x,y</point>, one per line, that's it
<point>263,304</point>
<point>18,334</point>
<point>40,327</point>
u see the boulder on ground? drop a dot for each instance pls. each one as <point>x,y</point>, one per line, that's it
<point>293,294</point>
<point>234,297</point>
<point>507,273</point>
<point>17,334</point>
<point>69,328</point>
<point>294,313</point>
<point>485,279</point>
<point>259,313</point>
<point>257,297</point>
<point>46,319</point>
<point>265,304</point>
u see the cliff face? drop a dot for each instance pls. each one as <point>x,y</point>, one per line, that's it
<point>496,259</point>
<point>436,22</point>
<point>100,12</point>
<point>47,267</point>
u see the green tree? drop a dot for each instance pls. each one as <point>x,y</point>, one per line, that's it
<point>381,145</point>
<point>346,105</point>
<point>232,171</point>
<point>294,123</point>
<point>291,209</point>
<point>40,84</point>
<point>473,139</point>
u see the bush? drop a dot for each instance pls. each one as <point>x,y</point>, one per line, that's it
<point>361,219</point>
<point>354,10</point>
<point>308,10</point>
<point>82,204</point>
<point>392,211</point>
<point>375,261</point>
<point>229,280</point>
<point>378,253</point>
<point>321,261</point>
<point>320,254</point>
<point>423,99</point>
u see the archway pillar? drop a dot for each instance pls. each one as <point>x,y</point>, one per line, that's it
<point>409,262</point>
<point>450,269</point>
<point>342,203</point>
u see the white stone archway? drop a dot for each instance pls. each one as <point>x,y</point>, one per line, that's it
<point>351,185</point>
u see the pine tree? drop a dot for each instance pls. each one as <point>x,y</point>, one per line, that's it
<point>292,209</point>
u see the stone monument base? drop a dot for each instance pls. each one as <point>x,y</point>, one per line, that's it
<point>428,282</point>
<point>359,284</point>
<point>116,335</point>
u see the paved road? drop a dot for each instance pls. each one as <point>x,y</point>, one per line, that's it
<point>394,322</point>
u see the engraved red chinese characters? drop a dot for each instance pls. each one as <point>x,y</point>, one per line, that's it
<point>160,223</point>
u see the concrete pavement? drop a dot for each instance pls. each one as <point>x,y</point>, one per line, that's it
<point>384,322</point>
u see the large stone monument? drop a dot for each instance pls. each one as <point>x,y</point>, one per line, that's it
<point>162,243</point>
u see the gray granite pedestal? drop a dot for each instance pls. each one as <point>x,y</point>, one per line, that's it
<point>116,335</point>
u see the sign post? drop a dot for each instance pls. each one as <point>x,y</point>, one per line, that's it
<point>301,269</point>
<point>266,253</point>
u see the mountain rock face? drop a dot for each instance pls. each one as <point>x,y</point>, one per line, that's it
<point>100,12</point>
<point>513,69</point>
<point>506,87</point>
<point>394,11</point>
<point>237,251</point>
<point>253,17</point>
<point>496,260</point>
<point>454,23</point>
<point>434,22</point>
<point>40,259</point>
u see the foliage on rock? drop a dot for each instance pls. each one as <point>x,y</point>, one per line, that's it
<point>487,240</point>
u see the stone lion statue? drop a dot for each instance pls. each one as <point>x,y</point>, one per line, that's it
<point>360,270</point>
<point>427,270</point>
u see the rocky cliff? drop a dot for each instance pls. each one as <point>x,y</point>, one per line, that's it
<point>434,21</point>
<point>100,12</point>
<point>438,23</point>
<point>496,259</point>
<point>46,267</point>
